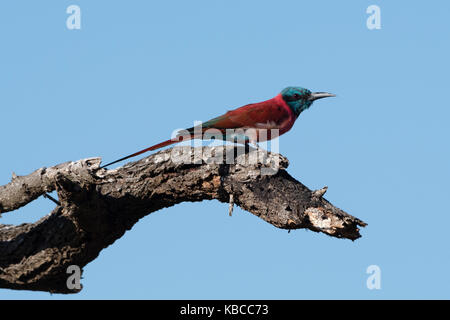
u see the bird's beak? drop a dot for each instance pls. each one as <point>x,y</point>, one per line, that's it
<point>320,95</point>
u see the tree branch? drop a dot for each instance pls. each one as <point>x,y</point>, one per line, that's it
<point>97,206</point>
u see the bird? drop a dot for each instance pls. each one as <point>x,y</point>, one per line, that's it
<point>250,123</point>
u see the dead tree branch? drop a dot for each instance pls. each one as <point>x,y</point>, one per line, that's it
<point>97,206</point>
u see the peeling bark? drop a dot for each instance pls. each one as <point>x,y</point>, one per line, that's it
<point>97,206</point>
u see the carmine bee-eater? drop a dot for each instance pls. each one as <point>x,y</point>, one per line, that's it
<point>278,113</point>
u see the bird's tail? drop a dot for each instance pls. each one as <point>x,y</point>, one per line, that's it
<point>156,146</point>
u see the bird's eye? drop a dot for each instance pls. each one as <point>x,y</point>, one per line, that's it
<point>293,97</point>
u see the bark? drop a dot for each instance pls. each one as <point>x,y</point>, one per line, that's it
<point>96,206</point>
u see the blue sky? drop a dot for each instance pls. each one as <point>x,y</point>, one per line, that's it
<point>136,70</point>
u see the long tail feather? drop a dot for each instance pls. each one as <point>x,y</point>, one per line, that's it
<point>156,146</point>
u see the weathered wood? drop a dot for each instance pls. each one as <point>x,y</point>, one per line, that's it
<point>98,206</point>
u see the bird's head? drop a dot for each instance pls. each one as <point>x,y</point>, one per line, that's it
<point>300,99</point>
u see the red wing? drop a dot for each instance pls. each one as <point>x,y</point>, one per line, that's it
<point>263,115</point>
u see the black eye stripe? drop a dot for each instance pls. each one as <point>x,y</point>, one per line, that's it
<point>294,97</point>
